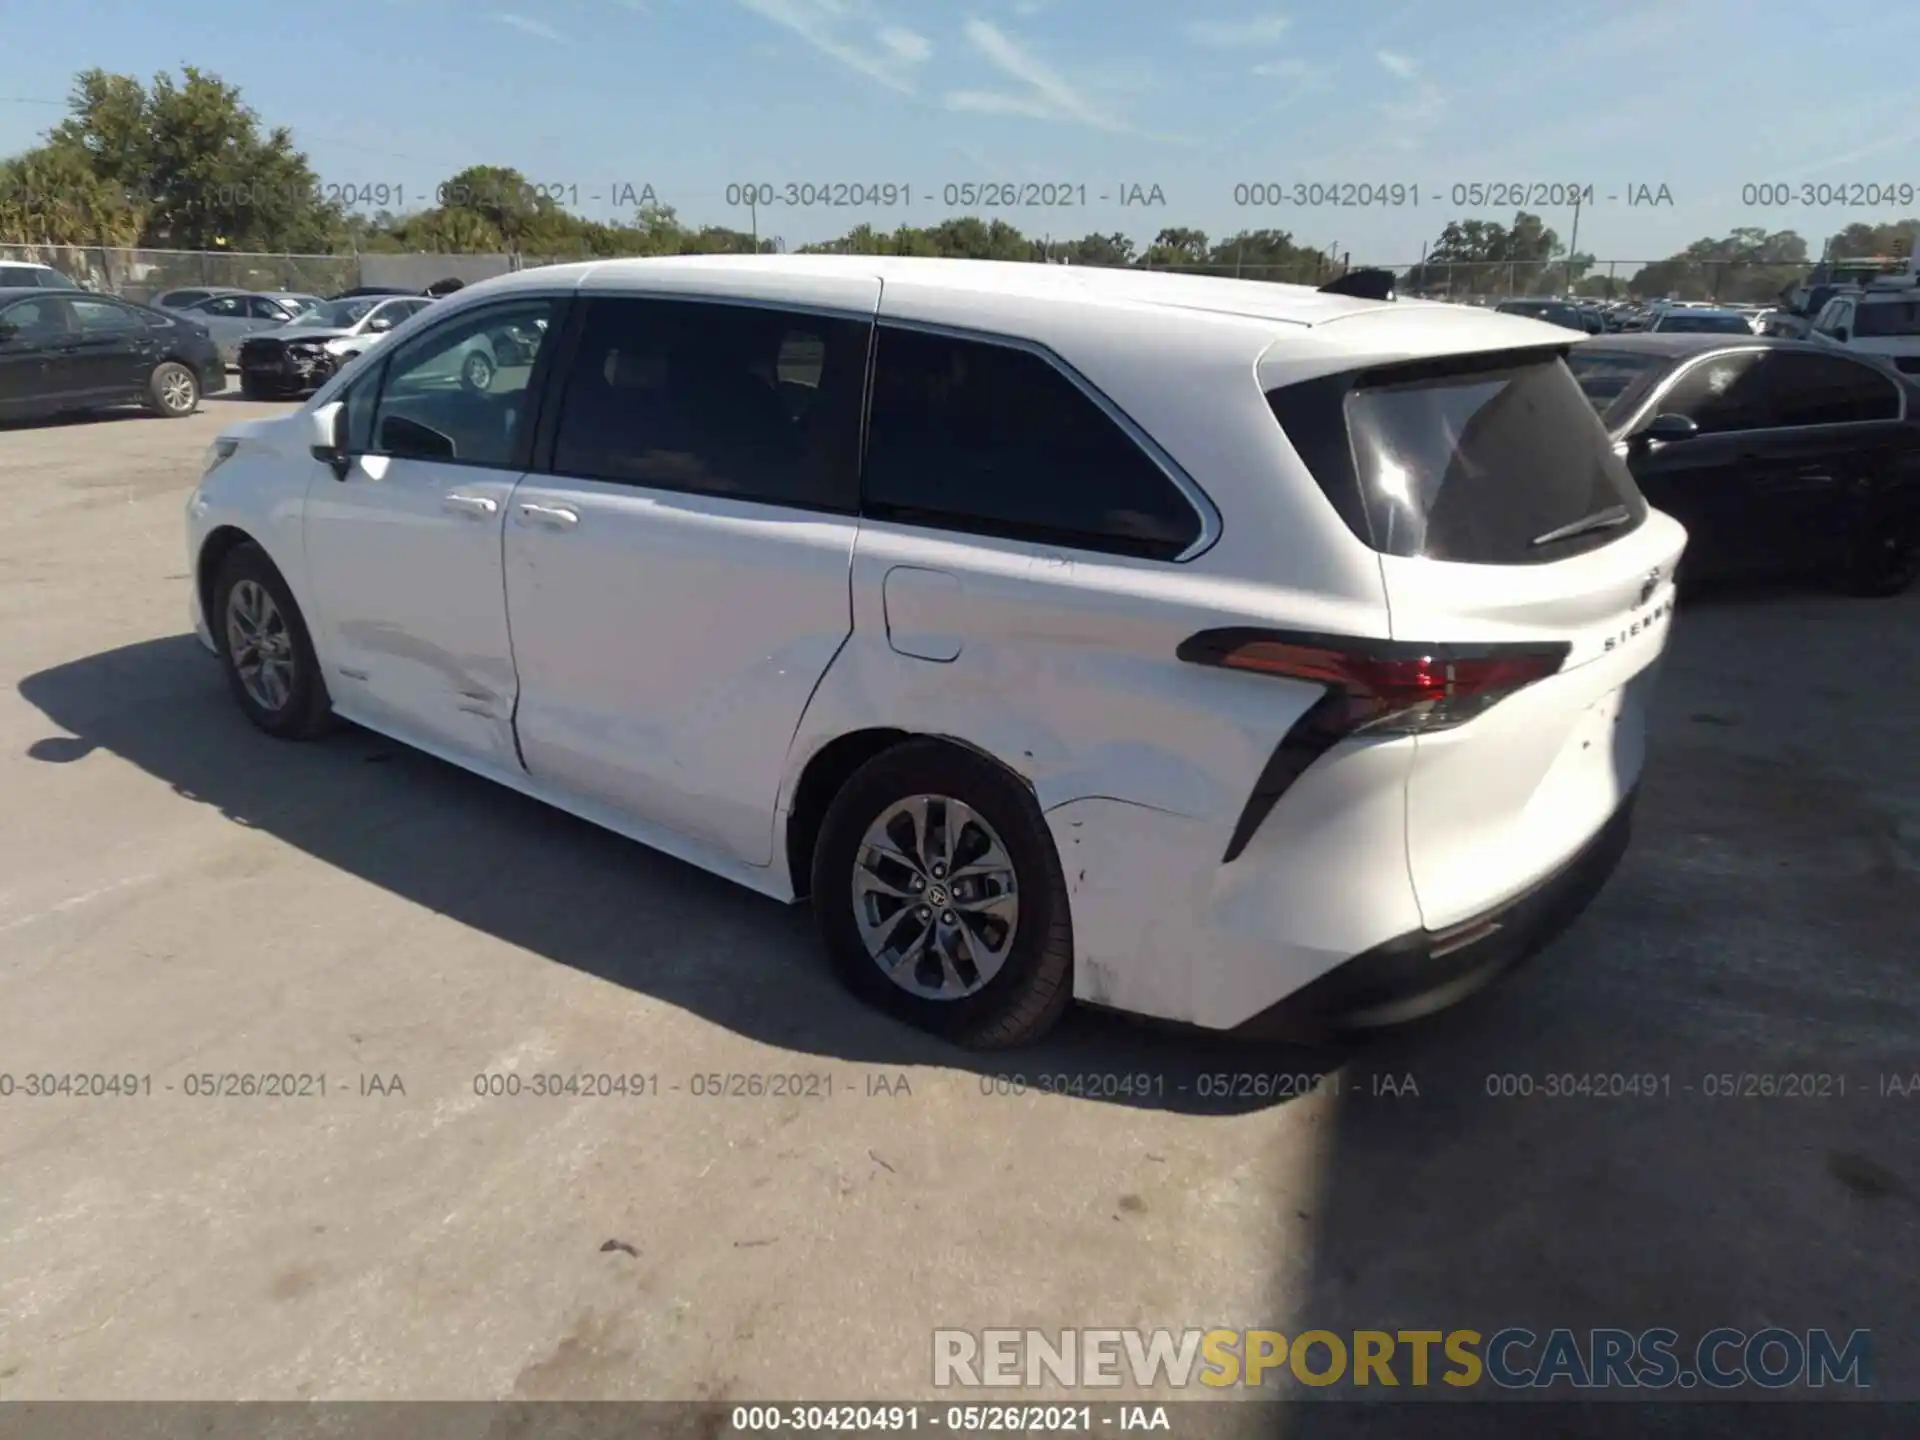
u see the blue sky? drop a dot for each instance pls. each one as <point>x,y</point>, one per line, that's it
<point>688,96</point>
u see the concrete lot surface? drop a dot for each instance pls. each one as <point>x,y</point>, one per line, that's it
<point>183,898</point>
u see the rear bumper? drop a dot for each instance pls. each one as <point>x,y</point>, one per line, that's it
<point>1424,971</point>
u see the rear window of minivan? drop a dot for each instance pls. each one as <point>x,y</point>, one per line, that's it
<point>1491,459</point>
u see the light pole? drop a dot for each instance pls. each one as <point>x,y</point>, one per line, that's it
<point>1573,245</point>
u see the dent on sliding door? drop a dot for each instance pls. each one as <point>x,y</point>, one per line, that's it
<point>669,634</point>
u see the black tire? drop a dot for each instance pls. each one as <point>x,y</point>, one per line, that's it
<point>173,390</point>
<point>307,711</point>
<point>1034,985</point>
<point>1881,554</point>
<point>476,372</point>
<point>251,389</point>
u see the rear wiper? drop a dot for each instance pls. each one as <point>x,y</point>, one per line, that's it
<point>1607,519</point>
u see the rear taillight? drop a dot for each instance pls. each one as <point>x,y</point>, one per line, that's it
<point>1386,687</point>
<point>1372,687</point>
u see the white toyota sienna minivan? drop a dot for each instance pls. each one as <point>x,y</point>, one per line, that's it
<point>1239,654</point>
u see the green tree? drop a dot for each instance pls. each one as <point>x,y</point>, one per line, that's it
<point>1176,247</point>
<point>1486,257</point>
<point>1268,255</point>
<point>52,196</point>
<point>197,159</point>
<point>1861,240</point>
<point>1115,249</point>
<point>1749,264</point>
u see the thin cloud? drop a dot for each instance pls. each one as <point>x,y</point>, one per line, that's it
<point>906,45</point>
<point>1405,66</point>
<point>1412,119</point>
<point>1254,30</point>
<point>530,27</point>
<point>1287,69</point>
<point>1048,95</point>
<point>893,54</point>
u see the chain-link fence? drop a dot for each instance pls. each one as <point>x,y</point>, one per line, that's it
<point>1726,281</point>
<point>143,274</point>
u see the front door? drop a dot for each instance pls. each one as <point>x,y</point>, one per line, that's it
<point>1706,482</point>
<point>679,582</point>
<point>37,369</point>
<point>404,552</point>
<point>1839,433</point>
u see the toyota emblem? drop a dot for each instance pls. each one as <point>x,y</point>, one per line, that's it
<point>1647,587</point>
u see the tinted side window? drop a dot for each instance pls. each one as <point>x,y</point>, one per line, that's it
<point>35,322</point>
<point>1828,390</point>
<point>459,391</point>
<point>228,307</point>
<point>103,317</point>
<point>734,400</point>
<point>1728,392</point>
<point>967,435</point>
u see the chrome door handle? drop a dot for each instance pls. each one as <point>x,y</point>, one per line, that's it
<point>471,504</point>
<point>557,516</point>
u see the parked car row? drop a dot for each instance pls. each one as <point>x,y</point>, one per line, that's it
<point>54,356</point>
<point>231,315</point>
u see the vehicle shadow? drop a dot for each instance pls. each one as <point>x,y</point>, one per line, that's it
<point>583,897</point>
<point>78,417</point>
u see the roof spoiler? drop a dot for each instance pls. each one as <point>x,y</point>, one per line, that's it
<point>1362,285</point>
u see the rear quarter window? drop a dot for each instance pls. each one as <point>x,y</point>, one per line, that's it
<point>996,440</point>
<point>1470,460</point>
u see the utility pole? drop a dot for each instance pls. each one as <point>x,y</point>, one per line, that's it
<point>1573,245</point>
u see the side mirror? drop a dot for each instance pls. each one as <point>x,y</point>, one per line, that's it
<point>327,437</point>
<point>1668,428</point>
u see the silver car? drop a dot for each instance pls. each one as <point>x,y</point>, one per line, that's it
<point>235,314</point>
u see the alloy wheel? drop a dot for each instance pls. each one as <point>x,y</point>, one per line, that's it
<point>935,897</point>
<point>176,391</point>
<point>260,645</point>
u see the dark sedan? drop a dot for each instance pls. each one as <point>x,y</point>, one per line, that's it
<point>1779,456</point>
<point>64,351</point>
